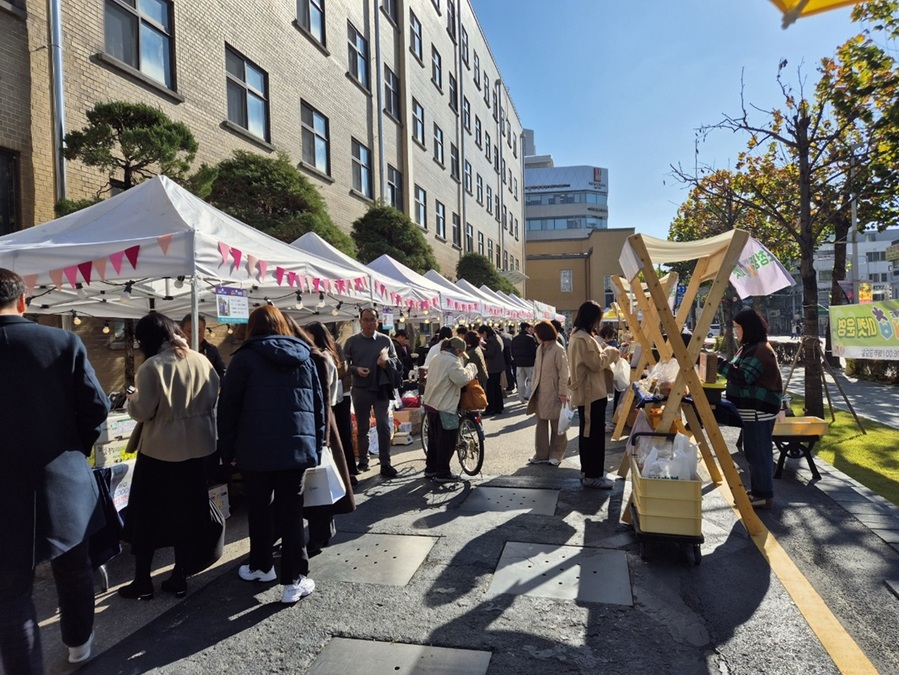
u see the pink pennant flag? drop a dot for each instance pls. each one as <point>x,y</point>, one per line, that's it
<point>85,269</point>
<point>56,277</point>
<point>164,242</point>
<point>291,279</point>
<point>224,249</point>
<point>131,254</point>
<point>315,283</point>
<point>358,284</point>
<point>72,274</point>
<point>251,264</point>
<point>262,266</point>
<point>279,275</point>
<point>30,282</point>
<point>327,285</point>
<point>100,266</point>
<point>116,260</point>
<point>237,255</point>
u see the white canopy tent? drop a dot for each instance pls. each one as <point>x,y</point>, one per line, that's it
<point>524,306</point>
<point>466,307</point>
<point>159,247</point>
<point>424,296</point>
<point>511,312</point>
<point>493,308</point>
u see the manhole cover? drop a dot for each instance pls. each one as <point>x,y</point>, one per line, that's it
<point>563,572</point>
<point>342,655</point>
<point>541,502</point>
<point>389,559</point>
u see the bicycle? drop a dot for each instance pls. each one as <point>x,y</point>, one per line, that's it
<point>469,446</point>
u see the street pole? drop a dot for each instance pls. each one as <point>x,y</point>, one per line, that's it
<point>853,219</point>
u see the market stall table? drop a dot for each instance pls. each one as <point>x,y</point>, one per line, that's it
<point>796,438</point>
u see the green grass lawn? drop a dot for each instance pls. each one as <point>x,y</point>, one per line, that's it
<point>872,459</point>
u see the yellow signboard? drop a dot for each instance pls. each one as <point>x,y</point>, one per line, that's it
<point>892,252</point>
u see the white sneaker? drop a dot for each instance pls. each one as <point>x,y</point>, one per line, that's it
<point>81,653</point>
<point>597,483</point>
<point>293,592</point>
<point>552,461</point>
<point>535,460</point>
<point>247,574</point>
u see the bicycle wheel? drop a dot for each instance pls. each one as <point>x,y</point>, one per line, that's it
<point>424,433</point>
<point>470,446</point>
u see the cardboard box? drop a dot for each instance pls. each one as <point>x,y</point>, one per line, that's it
<point>107,454</point>
<point>117,427</point>
<point>219,494</point>
<point>708,367</point>
<point>667,506</point>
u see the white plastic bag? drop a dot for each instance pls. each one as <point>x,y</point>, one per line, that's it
<point>322,485</point>
<point>565,416</point>
<point>621,374</point>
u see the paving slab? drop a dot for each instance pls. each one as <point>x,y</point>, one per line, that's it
<point>389,559</point>
<point>532,501</point>
<point>343,655</point>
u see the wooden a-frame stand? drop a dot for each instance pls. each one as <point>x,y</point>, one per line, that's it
<point>658,317</point>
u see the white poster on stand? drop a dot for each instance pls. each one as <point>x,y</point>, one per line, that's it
<point>387,319</point>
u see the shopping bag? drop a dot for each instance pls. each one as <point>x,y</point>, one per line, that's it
<point>473,396</point>
<point>322,485</point>
<point>207,547</point>
<point>565,417</point>
<point>621,374</point>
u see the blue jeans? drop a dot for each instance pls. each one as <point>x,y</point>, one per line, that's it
<point>20,643</point>
<point>757,446</point>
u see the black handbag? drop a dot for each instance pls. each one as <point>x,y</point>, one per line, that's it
<point>209,545</point>
<point>106,543</point>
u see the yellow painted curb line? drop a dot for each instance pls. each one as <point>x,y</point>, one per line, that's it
<point>843,650</point>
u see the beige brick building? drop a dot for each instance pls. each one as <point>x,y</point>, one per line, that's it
<point>393,99</point>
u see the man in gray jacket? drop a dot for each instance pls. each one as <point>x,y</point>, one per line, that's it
<point>524,353</point>
<point>376,370</point>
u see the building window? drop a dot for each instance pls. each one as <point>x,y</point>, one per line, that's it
<point>9,193</point>
<point>496,158</point>
<point>394,188</point>
<point>468,176</point>
<point>487,89</point>
<point>418,122</point>
<point>390,9</point>
<point>469,238</point>
<point>480,183</point>
<point>490,250</point>
<point>490,200</point>
<point>312,17</point>
<point>415,42</point>
<point>466,114</point>
<point>436,4</point>
<point>518,264</point>
<point>516,228</point>
<point>509,181</point>
<point>391,93</point>
<point>454,161</point>
<point>477,131</point>
<point>497,256</point>
<point>436,68</point>
<point>496,207</point>
<point>421,206</point>
<point>565,281</point>
<point>247,94</point>
<point>140,35</point>
<point>515,184</point>
<point>464,46</point>
<point>451,19</point>
<point>506,219</point>
<point>503,170</point>
<point>514,145</point>
<point>316,139</point>
<point>477,70</point>
<point>361,168</point>
<point>480,243</point>
<point>487,145</point>
<point>457,230</point>
<point>453,93</point>
<point>441,220</point>
<point>357,55</point>
<point>438,144</point>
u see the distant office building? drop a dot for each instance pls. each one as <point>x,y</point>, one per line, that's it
<point>400,101</point>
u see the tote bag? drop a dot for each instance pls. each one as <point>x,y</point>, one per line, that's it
<point>473,396</point>
<point>322,485</point>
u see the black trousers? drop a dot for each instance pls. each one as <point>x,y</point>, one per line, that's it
<point>494,393</point>
<point>441,445</point>
<point>592,449</point>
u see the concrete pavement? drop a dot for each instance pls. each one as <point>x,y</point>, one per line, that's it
<point>460,545</point>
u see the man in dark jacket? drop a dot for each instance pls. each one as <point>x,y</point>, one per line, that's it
<point>508,358</point>
<point>53,407</point>
<point>524,352</point>
<point>207,349</point>
<point>403,353</point>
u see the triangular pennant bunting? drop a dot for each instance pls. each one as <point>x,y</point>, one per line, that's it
<point>100,266</point>
<point>164,242</point>
<point>85,269</point>
<point>224,249</point>
<point>72,274</point>
<point>30,282</point>
<point>116,260</point>
<point>132,253</point>
<point>236,254</point>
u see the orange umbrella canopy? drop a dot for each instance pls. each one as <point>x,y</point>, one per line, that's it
<point>793,9</point>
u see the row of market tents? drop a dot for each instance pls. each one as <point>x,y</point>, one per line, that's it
<point>157,247</point>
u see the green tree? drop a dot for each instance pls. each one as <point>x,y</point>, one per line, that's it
<point>479,271</point>
<point>134,138</point>
<point>383,229</point>
<point>271,195</point>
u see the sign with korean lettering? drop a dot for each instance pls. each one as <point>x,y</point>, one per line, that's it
<point>231,304</point>
<point>869,331</point>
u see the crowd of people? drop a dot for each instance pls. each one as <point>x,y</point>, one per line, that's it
<point>287,392</point>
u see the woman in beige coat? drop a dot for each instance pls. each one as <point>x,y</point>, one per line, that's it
<point>550,392</point>
<point>589,385</point>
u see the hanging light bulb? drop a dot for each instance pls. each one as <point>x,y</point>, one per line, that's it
<point>268,302</point>
<point>105,328</point>
<point>299,304</point>
<point>321,300</point>
<point>126,293</point>
<point>230,330</point>
<point>75,318</point>
<point>425,312</point>
<point>427,322</point>
<point>336,310</point>
<point>179,282</point>
<point>402,318</point>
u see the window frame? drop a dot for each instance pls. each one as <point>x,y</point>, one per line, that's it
<point>138,20</point>
<point>418,123</point>
<point>463,45</point>
<point>466,114</point>
<point>416,37</point>
<point>421,207</point>
<point>477,131</point>
<point>436,68</point>
<point>362,171</point>
<point>11,187</point>
<point>480,189</point>
<point>246,90</point>
<point>480,243</point>
<point>390,10</point>
<point>489,200</point>
<point>394,195</point>
<point>468,180</point>
<point>357,58</point>
<point>469,238</point>
<point>392,94</point>
<point>457,231</point>
<point>439,156</point>
<point>454,161</point>
<point>476,70</point>
<point>440,214</point>
<point>451,19</point>
<point>304,19</point>
<point>453,93</point>
<point>311,133</point>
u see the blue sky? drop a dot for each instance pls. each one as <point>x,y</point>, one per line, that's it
<point>624,84</point>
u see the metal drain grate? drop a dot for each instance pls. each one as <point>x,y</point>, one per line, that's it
<point>563,572</point>
<point>343,655</point>
<point>540,502</point>
<point>389,559</point>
